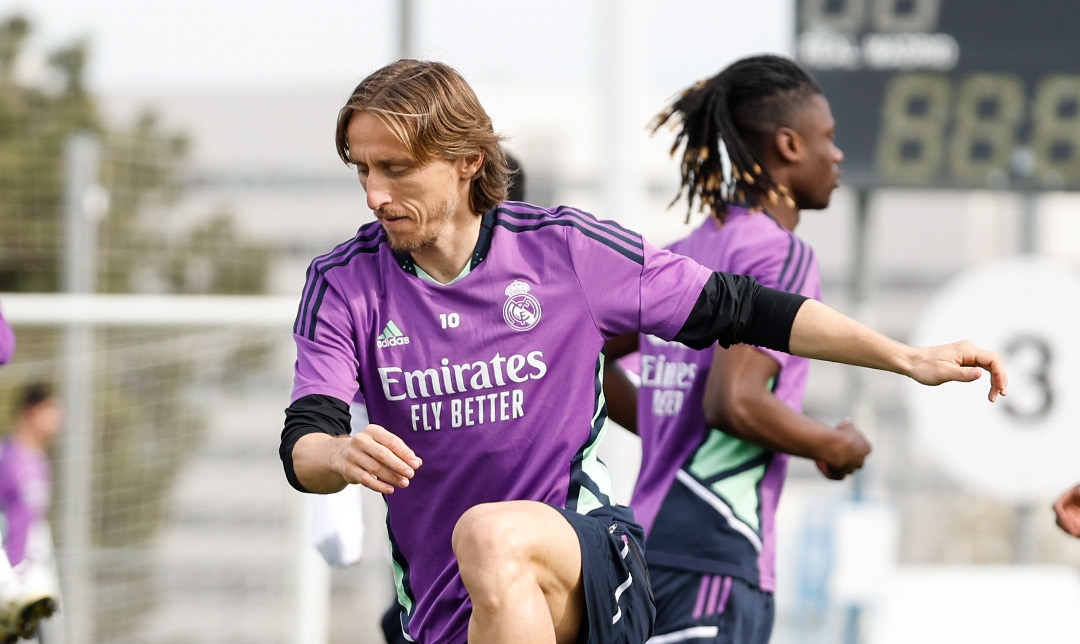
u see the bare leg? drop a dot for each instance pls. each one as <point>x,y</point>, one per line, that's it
<point>521,563</point>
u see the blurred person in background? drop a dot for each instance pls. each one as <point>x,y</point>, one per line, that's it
<point>1067,510</point>
<point>25,473</point>
<point>28,579</point>
<point>717,426</point>
<point>7,341</point>
<point>475,329</point>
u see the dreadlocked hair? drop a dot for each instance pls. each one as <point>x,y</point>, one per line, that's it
<point>740,108</point>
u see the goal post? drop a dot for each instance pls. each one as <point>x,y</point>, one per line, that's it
<point>196,481</point>
<point>149,310</point>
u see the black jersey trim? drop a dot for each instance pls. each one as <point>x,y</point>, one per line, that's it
<point>307,316</point>
<point>480,251</point>
<point>578,477</point>
<point>406,583</point>
<point>483,242</point>
<point>761,459</point>
<point>612,228</point>
<point>791,263</point>
<point>638,258</point>
<point>805,273</point>
<point>800,259</point>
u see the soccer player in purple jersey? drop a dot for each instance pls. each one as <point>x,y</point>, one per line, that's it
<point>7,341</point>
<point>475,328</point>
<point>717,425</point>
<point>27,572</point>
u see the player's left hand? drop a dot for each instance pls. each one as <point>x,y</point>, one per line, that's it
<point>961,362</point>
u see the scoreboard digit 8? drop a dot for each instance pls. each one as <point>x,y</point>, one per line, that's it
<point>949,93</point>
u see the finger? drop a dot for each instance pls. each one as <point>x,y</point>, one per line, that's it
<point>968,374</point>
<point>372,482</point>
<point>830,472</point>
<point>395,444</point>
<point>374,465</point>
<point>999,381</point>
<point>383,472</point>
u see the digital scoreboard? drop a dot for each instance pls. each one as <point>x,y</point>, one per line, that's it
<point>949,93</point>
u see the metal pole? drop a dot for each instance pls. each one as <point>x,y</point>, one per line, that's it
<point>406,29</point>
<point>1025,512</point>
<point>82,208</point>
<point>313,581</point>
<point>859,400</point>
<point>622,56</point>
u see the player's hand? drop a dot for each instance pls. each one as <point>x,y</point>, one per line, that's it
<point>855,448</point>
<point>960,362</point>
<point>1067,509</point>
<point>377,459</point>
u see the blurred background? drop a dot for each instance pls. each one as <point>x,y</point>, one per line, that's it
<point>167,171</point>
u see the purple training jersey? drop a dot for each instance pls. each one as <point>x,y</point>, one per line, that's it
<point>25,490</point>
<point>494,380</point>
<point>706,499</point>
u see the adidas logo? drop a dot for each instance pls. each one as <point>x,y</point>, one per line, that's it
<point>391,337</point>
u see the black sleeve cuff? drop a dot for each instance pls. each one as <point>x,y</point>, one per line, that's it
<point>737,309</point>
<point>308,415</point>
<point>773,315</point>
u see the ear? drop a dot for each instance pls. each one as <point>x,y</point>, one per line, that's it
<point>470,164</point>
<point>789,145</point>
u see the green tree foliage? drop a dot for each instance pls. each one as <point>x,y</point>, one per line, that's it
<point>144,423</point>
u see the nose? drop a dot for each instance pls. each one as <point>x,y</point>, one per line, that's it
<point>378,192</point>
<point>839,155</point>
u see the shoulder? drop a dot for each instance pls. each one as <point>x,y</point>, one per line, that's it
<point>577,227</point>
<point>519,216</point>
<point>368,242</point>
<point>758,230</point>
<point>759,246</point>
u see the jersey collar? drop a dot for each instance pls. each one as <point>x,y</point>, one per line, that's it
<point>480,251</point>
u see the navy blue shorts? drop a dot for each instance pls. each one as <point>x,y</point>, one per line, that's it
<point>619,605</point>
<point>694,608</point>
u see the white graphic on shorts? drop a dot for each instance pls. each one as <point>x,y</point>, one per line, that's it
<point>521,311</point>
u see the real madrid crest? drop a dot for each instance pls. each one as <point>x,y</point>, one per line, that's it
<point>521,311</point>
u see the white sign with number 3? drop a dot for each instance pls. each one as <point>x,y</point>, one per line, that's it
<point>1026,446</point>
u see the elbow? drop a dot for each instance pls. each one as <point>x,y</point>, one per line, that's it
<point>732,414</point>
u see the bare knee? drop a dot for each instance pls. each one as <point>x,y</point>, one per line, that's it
<point>487,536</point>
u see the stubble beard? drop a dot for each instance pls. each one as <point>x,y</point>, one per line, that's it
<point>431,233</point>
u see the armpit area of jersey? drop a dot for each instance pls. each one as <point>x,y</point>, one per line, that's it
<point>737,309</point>
<point>308,415</point>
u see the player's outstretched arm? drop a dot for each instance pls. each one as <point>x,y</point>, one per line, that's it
<point>822,333</point>
<point>374,458</point>
<point>1067,509</point>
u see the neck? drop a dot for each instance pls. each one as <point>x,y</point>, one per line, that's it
<point>26,438</point>
<point>787,216</point>
<point>446,257</point>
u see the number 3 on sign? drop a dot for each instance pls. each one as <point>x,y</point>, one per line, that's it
<point>1030,358</point>
<point>1024,446</point>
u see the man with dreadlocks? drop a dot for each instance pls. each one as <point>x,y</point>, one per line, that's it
<point>717,425</point>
